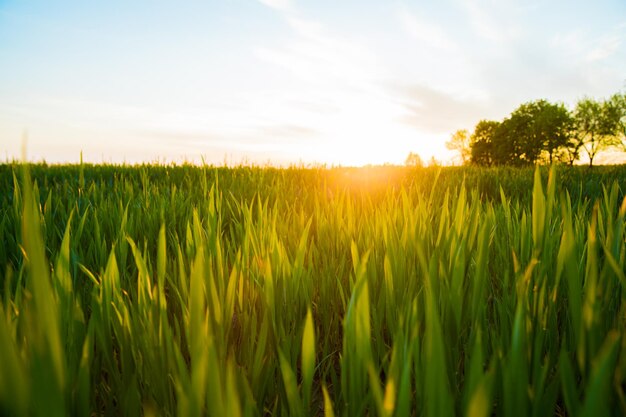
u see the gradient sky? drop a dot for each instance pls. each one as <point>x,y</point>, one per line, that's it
<point>338,82</point>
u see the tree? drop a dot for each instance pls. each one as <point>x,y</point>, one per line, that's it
<point>535,131</point>
<point>413,160</point>
<point>481,142</point>
<point>618,101</point>
<point>540,131</point>
<point>507,141</point>
<point>572,150</point>
<point>596,126</point>
<point>460,142</point>
<point>433,162</point>
<point>553,128</point>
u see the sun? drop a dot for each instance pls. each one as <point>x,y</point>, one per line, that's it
<point>368,131</point>
<point>380,144</point>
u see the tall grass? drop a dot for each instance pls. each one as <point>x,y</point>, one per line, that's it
<point>389,292</point>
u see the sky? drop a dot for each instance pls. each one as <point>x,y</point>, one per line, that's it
<point>288,81</point>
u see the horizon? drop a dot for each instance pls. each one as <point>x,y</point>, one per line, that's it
<point>287,82</point>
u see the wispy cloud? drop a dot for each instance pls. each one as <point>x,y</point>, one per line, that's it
<point>585,61</point>
<point>497,22</point>
<point>317,55</point>
<point>425,31</point>
<point>582,45</point>
<point>604,48</point>
<point>283,5</point>
<point>435,111</point>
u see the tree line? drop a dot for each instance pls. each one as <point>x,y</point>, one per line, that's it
<point>544,132</point>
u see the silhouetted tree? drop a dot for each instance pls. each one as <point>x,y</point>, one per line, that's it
<point>413,160</point>
<point>460,142</point>
<point>540,131</point>
<point>535,130</point>
<point>618,101</point>
<point>507,149</point>
<point>433,162</point>
<point>572,149</point>
<point>596,126</point>
<point>481,142</point>
<point>553,128</point>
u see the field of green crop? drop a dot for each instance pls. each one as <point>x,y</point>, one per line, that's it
<point>192,291</point>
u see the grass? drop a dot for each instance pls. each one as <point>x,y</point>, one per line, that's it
<point>197,291</point>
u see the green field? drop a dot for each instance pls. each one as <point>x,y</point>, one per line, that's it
<point>190,291</point>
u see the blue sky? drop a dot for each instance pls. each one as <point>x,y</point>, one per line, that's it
<point>287,81</point>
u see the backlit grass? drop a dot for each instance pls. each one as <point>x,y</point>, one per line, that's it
<point>253,291</point>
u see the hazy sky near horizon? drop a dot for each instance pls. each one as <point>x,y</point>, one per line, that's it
<point>338,82</point>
